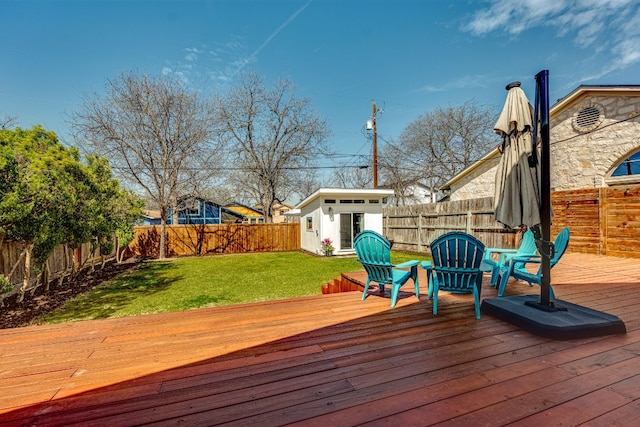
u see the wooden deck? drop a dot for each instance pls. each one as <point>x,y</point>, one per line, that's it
<point>334,360</point>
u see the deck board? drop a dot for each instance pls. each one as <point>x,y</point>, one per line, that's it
<point>334,360</point>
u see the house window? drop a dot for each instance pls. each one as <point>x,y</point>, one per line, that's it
<point>193,208</point>
<point>627,172</point>
<point>631,166</point>
<point>309,223</point>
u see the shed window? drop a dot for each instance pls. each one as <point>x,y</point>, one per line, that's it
<point>309,223</point>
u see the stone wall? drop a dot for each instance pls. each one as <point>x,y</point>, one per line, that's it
<point>478,184</point>
<point>585,159</point>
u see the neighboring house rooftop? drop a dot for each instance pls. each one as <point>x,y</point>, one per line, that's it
<point>249,214</point>
<point>244,209</point>
<point>410,192</point>
<point>155,213</point>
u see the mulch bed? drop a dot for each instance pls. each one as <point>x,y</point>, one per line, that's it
<point>14,314</point>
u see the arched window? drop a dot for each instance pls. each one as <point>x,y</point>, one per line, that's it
<point>627,172</point>
<point>631,166</point>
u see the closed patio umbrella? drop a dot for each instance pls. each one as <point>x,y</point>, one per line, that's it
<point>523,198</point>
<point>517,189</point>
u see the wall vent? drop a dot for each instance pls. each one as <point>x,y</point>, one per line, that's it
<point>588,118</point>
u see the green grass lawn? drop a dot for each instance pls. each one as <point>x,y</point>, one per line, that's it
<point>195,282</point>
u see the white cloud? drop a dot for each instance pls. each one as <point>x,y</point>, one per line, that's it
<point>602,25</point>
<point>253,57</point>
<point>512,16</point>
<point>470,81</point>
<point>220,63</point>
<point>192,54</point>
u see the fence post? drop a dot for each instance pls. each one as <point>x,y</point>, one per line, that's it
<point>602,221</point>
<point>419,232</point>
<point>385,225</point>
<point>469,221</point>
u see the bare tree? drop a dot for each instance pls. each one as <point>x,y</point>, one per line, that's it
<point>440,144</point>
<point>156,133</point>
<point>352,176</point>
<point>7,122</point>
<point>307,184</point>
<point>275,136</point>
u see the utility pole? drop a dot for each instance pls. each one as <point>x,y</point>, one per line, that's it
<point>375,145</point>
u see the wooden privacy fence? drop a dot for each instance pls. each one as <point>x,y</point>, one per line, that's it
<point>213,238</point>
<point>62,263</point>
<point>603,221</point>
<point>412,228</point>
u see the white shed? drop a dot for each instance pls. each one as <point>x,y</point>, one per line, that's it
<point>340,214</point>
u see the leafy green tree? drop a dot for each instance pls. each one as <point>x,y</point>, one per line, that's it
<point>36,193</point>
<point>111,209</point>
<point>48,197</point>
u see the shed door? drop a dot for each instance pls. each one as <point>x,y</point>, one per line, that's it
<point>350,225</point>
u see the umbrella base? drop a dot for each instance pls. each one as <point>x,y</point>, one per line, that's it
<point>549,308</point>
<point>565,321</point>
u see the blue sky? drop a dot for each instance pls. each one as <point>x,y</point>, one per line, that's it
<point>410,56</point>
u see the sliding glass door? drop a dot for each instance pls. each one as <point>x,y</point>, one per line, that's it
<point>350,225</point>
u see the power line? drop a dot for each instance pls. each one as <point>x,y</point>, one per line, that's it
<point>238,168</point>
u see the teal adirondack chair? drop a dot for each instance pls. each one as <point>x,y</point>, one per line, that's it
<point>456,267</point>
<point>516,267</point>
<point>527,247</point>
<point>374,253</point>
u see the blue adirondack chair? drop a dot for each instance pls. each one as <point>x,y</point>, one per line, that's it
<point>456,267</point>
<point>374,253</point>
<point>516,267</point>
<point>527,247</point>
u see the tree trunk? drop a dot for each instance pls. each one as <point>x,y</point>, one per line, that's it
<point>27,272</point>
<point>163,238</point>
<point>45,276</point>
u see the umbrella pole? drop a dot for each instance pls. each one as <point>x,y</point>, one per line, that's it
<point>542,232</point>
<point>542,84</point>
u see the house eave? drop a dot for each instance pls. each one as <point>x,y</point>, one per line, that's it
<point>582,90</point>
<point>342,192</point>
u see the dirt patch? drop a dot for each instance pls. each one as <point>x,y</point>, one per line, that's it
<point>14,315</point>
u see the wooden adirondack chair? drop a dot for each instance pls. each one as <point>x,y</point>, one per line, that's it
<point>374,253</point>
<point>527,247</point>
<point>516,267</point>
<point>456,267</point>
